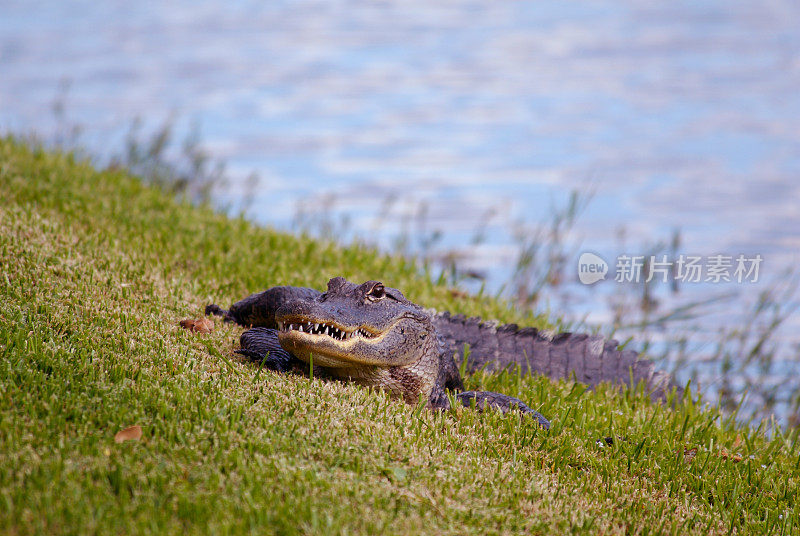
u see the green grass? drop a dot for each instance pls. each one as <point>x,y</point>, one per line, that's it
<point>97,269</point>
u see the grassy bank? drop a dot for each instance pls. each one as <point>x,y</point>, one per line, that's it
<point>96,272</point>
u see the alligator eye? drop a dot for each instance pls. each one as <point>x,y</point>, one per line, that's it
<point>377,292</point>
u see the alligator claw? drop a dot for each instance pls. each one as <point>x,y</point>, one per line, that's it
<point>504,403</point>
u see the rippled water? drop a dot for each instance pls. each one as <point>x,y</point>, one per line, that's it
<point>677,115</point>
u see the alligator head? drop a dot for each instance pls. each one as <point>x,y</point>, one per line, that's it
<point>352,326</point>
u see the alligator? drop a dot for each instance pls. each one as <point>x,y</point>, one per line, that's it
<point>372,335</point>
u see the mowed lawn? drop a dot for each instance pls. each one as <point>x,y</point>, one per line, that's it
<point>96,271</point>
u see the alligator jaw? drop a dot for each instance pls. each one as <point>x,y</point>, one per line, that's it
<point>326,329</point>
<point>330,344</point>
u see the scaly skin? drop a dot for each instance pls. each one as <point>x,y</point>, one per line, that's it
<point>372,335</point>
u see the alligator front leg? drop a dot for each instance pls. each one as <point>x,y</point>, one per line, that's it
<point>261,344</point>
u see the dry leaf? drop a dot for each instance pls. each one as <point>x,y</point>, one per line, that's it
<point>131,433</point>
<point>204,325</point>
<point>736,458</point>
<point>201,325</point>
<point>737,442</point>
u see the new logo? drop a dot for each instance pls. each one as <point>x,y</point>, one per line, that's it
<point>591,268</point>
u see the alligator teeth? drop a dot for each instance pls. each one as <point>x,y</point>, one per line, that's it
<point>316,328</point>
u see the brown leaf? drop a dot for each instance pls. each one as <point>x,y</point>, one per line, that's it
<point>736,458</point>
<point>200,325</point>
<point>204,325</point>
<point>131,433</point>
<point>737,442</point>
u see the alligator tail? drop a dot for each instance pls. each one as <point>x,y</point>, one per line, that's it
<point>592,359</point>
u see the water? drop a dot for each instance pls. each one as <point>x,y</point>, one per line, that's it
<point>679,115</point>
